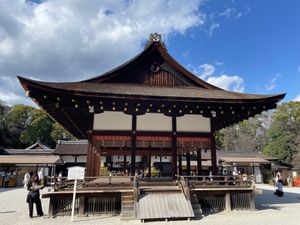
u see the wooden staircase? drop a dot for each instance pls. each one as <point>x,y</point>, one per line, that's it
<point>127,206</point>
<point>196,206</point>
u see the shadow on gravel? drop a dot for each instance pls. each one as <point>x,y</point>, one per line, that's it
<point>268,200</point>
<point>7,212</point>
<point>8,189</point>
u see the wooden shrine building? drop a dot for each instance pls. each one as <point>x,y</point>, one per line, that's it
<point>149,106</point>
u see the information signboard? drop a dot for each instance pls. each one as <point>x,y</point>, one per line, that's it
<point>76,173</point>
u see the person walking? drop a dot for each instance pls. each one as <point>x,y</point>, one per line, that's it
<point>33,195</point>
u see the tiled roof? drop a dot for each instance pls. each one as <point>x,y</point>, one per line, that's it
<point>13,159</point>
<point>71,147</point>
<point>150,90</point>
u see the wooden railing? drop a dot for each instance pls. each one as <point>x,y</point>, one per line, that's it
<point>216,181</point>
<point>59,183</point>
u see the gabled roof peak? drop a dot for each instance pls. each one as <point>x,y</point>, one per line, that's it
<point>155,37</point>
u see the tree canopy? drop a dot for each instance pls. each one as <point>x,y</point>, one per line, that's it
<point>23,126</point>
<point>284,133</point>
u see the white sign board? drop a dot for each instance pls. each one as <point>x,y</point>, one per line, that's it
<point>76,173</point>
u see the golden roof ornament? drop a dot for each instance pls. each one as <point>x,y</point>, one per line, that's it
<point>154,37</point>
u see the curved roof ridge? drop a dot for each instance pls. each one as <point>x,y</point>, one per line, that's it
<point>166,56</point>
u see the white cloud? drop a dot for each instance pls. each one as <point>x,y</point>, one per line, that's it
<point>205,70</point>
<point>67,40</point>
<point>227,82</point>
<point>219,63</point>
<point>297,98</point>
<point>212,28</point>
<point>272,84</point>
<point>228,12</point>
<point>233,83</point>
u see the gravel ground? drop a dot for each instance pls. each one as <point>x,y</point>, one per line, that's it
<point>270,210</point>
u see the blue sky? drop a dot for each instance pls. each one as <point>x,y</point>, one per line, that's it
<point>262,46</point>
<point>249,46</point>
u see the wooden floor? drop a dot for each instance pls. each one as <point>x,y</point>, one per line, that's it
<point>163,206</point>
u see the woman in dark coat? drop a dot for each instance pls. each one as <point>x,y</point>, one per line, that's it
<point>34,195</point>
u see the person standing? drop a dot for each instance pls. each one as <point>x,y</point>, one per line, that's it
<point>26,178</point>
<point>6,179</point>
<point>34,195</point>
<point>41,176</point>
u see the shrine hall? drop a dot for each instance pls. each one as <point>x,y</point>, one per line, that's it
<point>148,106</point>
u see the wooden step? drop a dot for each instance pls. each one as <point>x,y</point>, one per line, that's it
<point>125,194</point>
<point>128,208</point>
<point>127,198</point>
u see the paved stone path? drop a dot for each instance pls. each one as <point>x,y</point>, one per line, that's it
<point>271,210</point>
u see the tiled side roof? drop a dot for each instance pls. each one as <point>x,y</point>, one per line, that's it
<point>71,147</point>
<point>29,151</point>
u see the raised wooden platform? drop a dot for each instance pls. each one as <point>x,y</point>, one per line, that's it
<point>143,199</point>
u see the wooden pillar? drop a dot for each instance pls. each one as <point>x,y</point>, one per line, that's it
<point>94,168</point>
<point>149,168</point>
<point>180,164</point>
<point>188,163</point>
<point>124,164</point>
<point>89,160</point>
<point>174,147</point>
<point>213,148</point>
<point>133,145</point>
<point>97,163</point>
<point>199,162</point>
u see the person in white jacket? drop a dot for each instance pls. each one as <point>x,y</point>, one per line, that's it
<point>41,176</point>
<point>26,179</point>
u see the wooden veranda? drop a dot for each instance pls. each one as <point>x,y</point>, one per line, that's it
<point>120,195</point>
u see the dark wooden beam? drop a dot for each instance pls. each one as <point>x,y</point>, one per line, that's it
<point>188,163</point>
<point>174,147</point>
<point>213,149</point>
<point>133,145</point>
<point>199,162</point>
<point>180,164</point>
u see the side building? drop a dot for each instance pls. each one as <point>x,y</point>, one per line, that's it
<point>72,153</point>
<point>14,163</point>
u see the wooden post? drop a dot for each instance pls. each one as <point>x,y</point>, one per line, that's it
<point>149,168</point>
<point>180,164</point>
<point>227,201</point>
<point>213,149</point>
<point>124,164</point>
<point>188,163</point>
<point>133,145</point>
<point>174,147</point>
<point>199,162</point>
<point>97,164</point>
<point>89,160</point>
<point>81,205</point>
<point>251,198</point>
<point>51,207</point>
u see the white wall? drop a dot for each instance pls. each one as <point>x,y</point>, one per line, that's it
<point>81,159</point>
<point>112,121</point>
<point>68,158</point>
<point>193,123</point>
<point>154,122</point>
